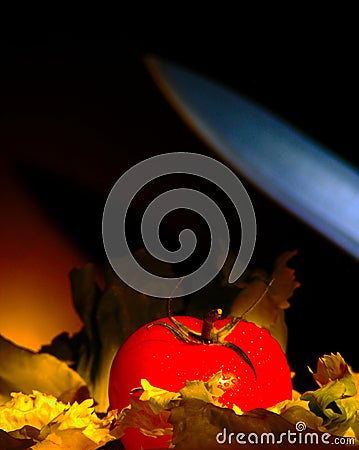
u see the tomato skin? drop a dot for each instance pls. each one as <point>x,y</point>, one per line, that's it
<point>154,353</point>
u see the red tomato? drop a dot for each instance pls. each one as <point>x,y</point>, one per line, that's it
<point>154,353</point>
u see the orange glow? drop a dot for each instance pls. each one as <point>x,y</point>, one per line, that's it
<point>35,260</point>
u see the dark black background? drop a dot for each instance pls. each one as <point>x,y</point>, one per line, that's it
<point>79,108</point>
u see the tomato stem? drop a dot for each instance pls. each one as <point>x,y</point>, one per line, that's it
<point>227,329</point>
<point>208,328</point>
<point>209,333</point>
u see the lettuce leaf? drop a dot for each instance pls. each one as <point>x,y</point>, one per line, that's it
<point>49,423</point>
<point>336,401</point>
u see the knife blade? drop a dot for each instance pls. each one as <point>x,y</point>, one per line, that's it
<point>310,181</point>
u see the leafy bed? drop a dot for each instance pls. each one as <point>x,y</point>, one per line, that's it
<point>60,400</point>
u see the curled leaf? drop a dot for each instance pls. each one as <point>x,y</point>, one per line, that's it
<point>336,401</point>
<point>269,312</point>
<point>335,404</point>
<point>22,370</point>
<point>159,399</point>
<point>330,367</point>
